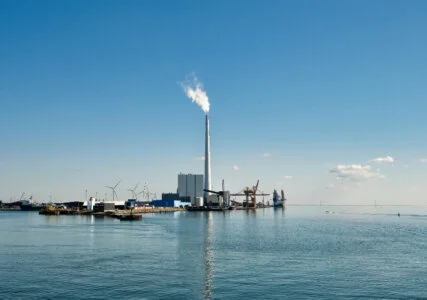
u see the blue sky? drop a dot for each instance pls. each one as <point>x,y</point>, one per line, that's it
<point>90,95</point>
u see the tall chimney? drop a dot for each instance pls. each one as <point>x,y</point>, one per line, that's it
<point>207,160</point>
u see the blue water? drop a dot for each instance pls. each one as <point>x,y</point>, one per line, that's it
<point>299,253</point>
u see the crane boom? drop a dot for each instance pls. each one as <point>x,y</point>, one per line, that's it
<point>214,192</point>
<point>250,194</point>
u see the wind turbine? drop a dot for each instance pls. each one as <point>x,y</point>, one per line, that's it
<point>113,188</point>
<point>134,194</point>
<point>147,193</point>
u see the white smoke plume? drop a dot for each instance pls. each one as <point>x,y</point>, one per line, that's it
<point>194,90</point>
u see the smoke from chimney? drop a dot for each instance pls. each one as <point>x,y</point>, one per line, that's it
<point>194,90</point>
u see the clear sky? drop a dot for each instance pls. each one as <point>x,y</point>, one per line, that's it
<point>304,96</point>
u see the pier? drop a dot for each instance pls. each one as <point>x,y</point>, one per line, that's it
<point>49,210</point>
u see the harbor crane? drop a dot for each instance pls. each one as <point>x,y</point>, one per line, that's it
<point>250,194</point>
<point>219,193</point>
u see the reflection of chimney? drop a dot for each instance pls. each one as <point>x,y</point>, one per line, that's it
<point>207,159</point>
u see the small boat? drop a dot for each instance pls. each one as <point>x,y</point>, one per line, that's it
<point>130,217</point>
<point>232,207</point>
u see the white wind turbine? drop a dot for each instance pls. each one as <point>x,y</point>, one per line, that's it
<point>134,194</point>
<point>113,189</point>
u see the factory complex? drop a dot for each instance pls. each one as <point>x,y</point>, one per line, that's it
<point>194,191</point>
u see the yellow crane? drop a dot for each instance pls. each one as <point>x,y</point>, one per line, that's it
<point>250,194</point>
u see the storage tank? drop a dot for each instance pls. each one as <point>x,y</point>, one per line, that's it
<point>199,201</point>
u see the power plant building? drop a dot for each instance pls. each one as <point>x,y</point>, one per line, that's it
<point>169,203</point>
<point>190,185</point>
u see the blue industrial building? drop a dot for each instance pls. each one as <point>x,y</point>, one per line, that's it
<point>130,203</point>
<point>169,203</point>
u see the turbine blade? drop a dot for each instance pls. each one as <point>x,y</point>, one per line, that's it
<point>117,183</point>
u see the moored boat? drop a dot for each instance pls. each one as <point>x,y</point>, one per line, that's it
<point>277,200</point>
<point>29,205</point>
<point>130,217</point>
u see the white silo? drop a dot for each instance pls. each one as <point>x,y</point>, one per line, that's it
<point>91,203</point>
<point>198,201</point>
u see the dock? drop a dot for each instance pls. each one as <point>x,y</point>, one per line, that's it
<point>49,210</point>
<point>207,208</point>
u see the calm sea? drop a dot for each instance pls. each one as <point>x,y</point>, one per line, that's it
<point>334,252</point>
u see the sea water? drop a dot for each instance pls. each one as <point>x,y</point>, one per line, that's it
<point>335,252</point>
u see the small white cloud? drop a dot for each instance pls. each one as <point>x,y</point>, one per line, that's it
<point>200,158</point>
<point>355,172</point>
<point>423,160</point>
<point>385,159</point>
<point>266,154</point>
<point>288,177</point>
<point>236,168</point>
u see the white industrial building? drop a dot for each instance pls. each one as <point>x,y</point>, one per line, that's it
<point>190,185</point>
<point>217,200</point>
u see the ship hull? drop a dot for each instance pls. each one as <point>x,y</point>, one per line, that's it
<point>31,208</point>
<point>278,204</point>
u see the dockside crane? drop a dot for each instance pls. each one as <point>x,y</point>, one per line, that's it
<point>219,194</point>
<point>250,194</point>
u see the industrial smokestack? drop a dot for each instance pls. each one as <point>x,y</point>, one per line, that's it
<point>194,90</point>
<point>207,159</point>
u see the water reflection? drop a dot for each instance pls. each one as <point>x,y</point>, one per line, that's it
<point>208,257</point>
<point>279,211</point>
<point>53,220</point>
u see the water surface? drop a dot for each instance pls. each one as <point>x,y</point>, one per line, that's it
<point>334,252</point>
